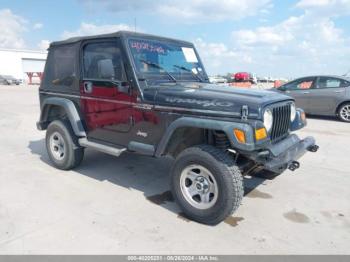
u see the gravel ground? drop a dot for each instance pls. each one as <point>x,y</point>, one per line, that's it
<point>122,205</point>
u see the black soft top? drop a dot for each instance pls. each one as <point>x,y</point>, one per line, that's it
<point>111,35</point>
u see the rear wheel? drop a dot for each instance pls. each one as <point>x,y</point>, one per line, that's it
<point>62,145</point>
<point>344,112</point>
<point>206,184</point>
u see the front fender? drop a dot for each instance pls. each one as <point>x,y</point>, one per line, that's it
<point>210,124</point>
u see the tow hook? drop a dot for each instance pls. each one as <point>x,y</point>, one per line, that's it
<point>313,148</point>
<point>294,165</point>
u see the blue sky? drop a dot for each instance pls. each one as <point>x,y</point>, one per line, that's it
<point>270,38</point>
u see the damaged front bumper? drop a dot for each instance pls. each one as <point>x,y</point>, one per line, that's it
<point>283,155</point>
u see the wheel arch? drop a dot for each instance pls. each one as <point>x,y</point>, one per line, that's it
<point>55,108</point>
<point>189,127</point>
<point>340,105</point>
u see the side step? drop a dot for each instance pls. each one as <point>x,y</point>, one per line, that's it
<point>100,147</point>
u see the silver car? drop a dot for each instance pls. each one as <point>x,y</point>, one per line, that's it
<point>321,95</point>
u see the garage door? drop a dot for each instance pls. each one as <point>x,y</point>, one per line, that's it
<point>33,65</point>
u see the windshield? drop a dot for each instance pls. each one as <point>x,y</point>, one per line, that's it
<point>162,60</point>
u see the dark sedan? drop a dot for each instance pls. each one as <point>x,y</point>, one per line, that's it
<point>321,95</point>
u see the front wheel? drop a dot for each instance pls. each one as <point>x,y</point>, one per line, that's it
<point>206,184</point>
<point>344,112</point>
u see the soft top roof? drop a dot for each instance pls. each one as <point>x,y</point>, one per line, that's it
<point>111,35</point>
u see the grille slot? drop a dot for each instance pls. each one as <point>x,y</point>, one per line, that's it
<point>281,122</point>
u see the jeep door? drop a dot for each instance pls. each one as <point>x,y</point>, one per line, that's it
<point>300,90</point>
<point>326,95</point>
<point>105,96</point>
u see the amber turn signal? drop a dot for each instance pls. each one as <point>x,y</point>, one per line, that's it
<point>240,135</point>
<point>303,116</point>
<point>260,134</point>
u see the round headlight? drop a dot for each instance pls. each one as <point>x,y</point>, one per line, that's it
<point>293,112</point>
<point>268,119</point>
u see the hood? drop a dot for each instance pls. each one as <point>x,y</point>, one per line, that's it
<point>212,99</point>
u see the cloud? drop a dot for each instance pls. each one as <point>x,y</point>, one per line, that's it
<point>325,7</point>
<point>219,58</point>
<point>12,27</point>
<point>310,43</point>
<point>187,11</point>
<point>37,26</point>
<point>44,44</point>
<point>306,44</point>
<point>92,29</point>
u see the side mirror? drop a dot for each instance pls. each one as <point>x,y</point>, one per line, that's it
<point>105,69</point>
<point>282,88</point>
<point>124,87</point>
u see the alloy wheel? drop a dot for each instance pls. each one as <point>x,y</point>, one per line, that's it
<point>345,113</point>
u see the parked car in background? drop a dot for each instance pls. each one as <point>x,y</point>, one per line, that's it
<point>321,95</point>
<point>9,80</point>
<point>245,77</point>
<point>242,77</point>
<point>217,80</point>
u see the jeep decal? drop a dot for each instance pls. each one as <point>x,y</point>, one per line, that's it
<point>205,103</point>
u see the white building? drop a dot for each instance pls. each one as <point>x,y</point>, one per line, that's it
<point>18,62</point>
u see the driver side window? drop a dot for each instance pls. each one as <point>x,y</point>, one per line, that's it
<point>103,61</point>
<point>300,84</point>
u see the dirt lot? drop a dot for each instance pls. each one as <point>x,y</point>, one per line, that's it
<point>122,205</point>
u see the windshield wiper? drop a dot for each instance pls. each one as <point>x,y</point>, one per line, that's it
<point>189,70</point>
<point>159,67</point>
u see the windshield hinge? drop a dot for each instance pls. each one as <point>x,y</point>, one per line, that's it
<point>245,112</point>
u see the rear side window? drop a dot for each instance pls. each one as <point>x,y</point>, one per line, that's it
<point>332,82</point>
<point>61,69</point>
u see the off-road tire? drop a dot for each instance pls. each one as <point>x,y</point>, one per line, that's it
<point>340,112</point>
<point>74,153</point>
<point>227,176</point>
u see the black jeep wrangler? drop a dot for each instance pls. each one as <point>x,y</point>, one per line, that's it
<point>151,95</point>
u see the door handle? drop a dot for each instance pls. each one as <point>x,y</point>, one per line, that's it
<point>338,92</point>
<point>306,92</point>
<point>88,87</point>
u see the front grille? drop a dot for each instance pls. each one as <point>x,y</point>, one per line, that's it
<point>281,122</point>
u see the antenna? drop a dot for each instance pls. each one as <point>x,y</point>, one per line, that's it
<point>347,73</point>
<point>135,23</point>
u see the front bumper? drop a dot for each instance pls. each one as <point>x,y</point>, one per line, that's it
<point>283,155</point>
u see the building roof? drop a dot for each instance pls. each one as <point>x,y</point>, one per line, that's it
<point>111,35</point>
<point>24,50</point>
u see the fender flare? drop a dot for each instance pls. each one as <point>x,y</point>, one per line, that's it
<point>69,108</point>
<point>210,124</point>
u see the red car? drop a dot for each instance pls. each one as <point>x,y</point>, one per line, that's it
<point>243,77</point>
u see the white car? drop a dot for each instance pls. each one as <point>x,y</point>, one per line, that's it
<point>217,80</point>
